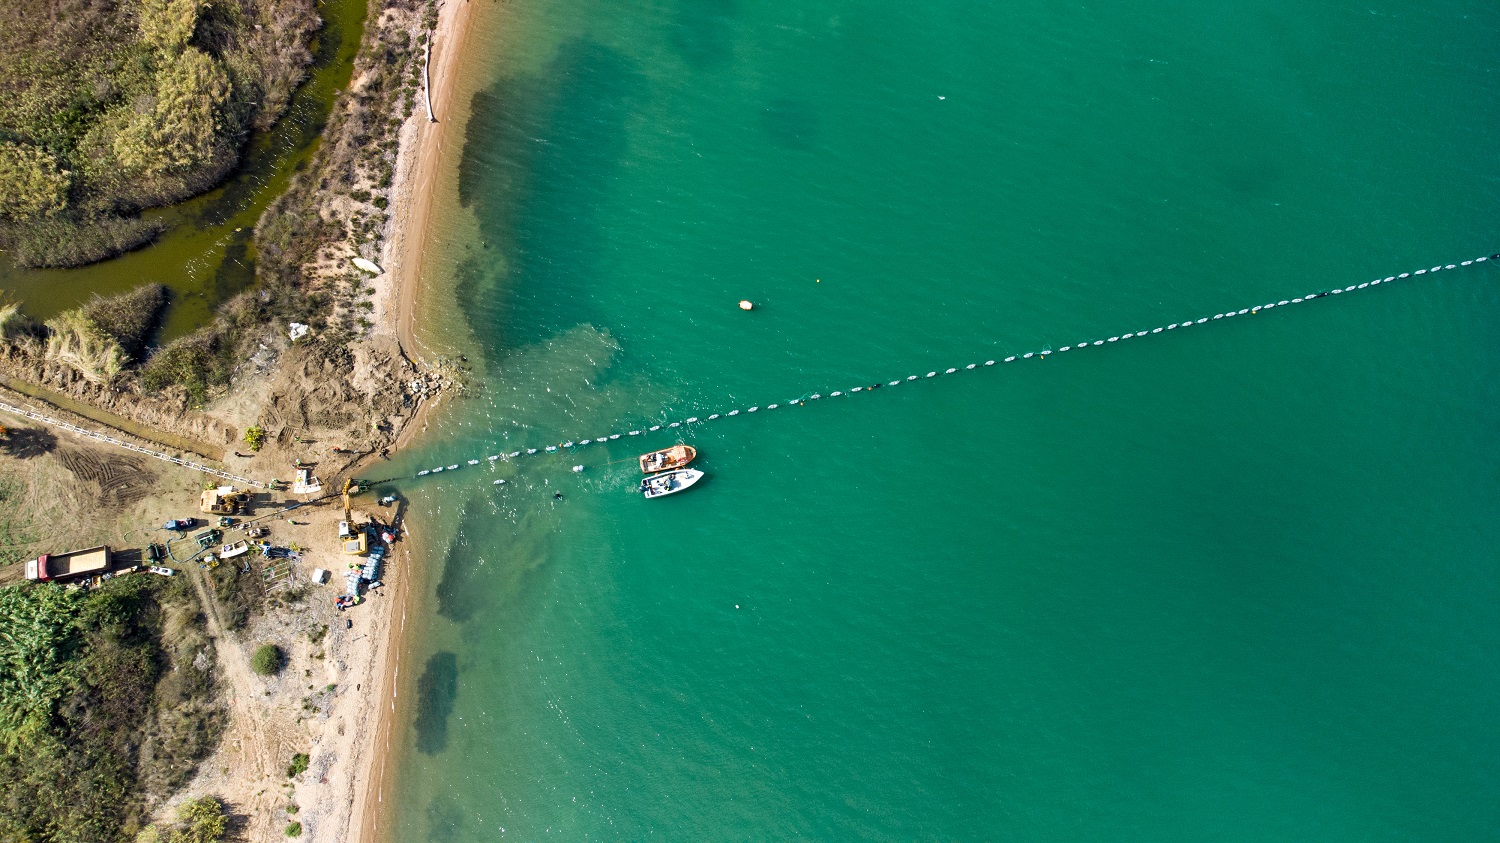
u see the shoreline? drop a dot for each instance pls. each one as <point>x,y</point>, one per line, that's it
<point>418,165</point>
<point>344,731</point>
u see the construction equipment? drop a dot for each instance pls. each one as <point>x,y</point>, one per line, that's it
<point>352,487</point>
<point>223,500</point>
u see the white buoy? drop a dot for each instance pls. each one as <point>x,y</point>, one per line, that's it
<point>746,305</point>
<point>577,469</point>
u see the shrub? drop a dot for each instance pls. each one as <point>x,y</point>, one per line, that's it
<point>255,437</point>
<point>203,821</point>
<point>78,702</point>
<point>268,660</point>
<point>31,185</point>
<point>298,766</point>
<point>129,318</point>
<point>294,829</point>
<point>196,362</point>
<point>66,241</point>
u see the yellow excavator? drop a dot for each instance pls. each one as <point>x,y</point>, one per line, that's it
<point>355,542</point>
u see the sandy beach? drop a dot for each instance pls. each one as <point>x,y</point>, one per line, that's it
<point>397,308</point>
<point>417,168</point>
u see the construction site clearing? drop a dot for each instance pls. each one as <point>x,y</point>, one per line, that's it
<point>242,536</point>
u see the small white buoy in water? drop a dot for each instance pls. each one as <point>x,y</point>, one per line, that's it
<point>577,469</point>
<point>746,305</point>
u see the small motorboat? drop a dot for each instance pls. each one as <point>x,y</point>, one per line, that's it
<point>668,459</point>
<point>669,482</point>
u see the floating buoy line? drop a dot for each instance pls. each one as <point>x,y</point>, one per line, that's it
<point>572,445</point>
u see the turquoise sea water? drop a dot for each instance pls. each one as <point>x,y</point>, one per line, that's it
<point>1237,582</point>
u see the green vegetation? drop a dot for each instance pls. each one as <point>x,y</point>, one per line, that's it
<point>202,820</point>
<point>115,106</point>
<point>255,437</point>
<point>294,829</point>
<point>238,594</point>
<point>298,765</point>
<point>129,318</point>
<point>103,706</point>
<point>104,336</point>
<point>197,363</point>
<point>267,660</point>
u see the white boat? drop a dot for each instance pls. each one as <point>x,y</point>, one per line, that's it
<point>229,551</point>
<point>670,482</point>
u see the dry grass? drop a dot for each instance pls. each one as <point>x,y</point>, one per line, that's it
<point>74,341</point>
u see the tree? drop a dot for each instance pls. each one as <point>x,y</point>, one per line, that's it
<point>255,437</point>
<point>267,660</point>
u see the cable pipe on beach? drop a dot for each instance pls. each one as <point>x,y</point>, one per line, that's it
<point>570,445</point>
